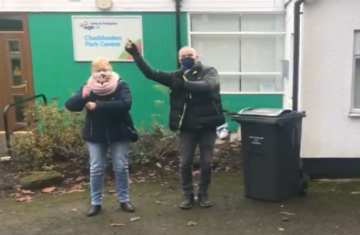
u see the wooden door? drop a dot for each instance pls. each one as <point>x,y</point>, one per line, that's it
<point>16,74</point>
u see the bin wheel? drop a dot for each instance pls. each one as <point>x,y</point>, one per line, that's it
<point>303,187</point>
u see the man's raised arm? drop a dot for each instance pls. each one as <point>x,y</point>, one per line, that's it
<point>169,79</point>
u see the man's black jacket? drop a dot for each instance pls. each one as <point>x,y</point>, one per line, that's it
<point>196,104</point>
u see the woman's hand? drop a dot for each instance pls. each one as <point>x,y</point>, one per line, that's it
<point>131,48</point>
<point>90,105</point>
<point>86,91</point>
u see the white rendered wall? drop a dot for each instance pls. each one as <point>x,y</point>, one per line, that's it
<point>327,72</point>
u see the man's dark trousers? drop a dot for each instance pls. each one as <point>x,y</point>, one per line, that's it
<point>188,140</point>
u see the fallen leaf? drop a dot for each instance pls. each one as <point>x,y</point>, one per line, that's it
<point>196,172</point>
<point>135,219</point>
<point>24,199</point>
<point>72,191</point>
<point>191,223</point>
<point>74,209</point>
<point>160,202</point>
<point>80,178</point>
<point>48,190</point>
<point>287,213</point>
<point>27,192</point>
<point>158,165</point>
<point>117,225</point>
<point>355,193</point>
<point>76,186</point>
<point>285,219</point>
<point>75,191</point>
<point>281,229</point>
<point>140,180</point>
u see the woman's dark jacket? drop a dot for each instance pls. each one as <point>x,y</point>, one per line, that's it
<point>110,121</point>
<point>196,103</point>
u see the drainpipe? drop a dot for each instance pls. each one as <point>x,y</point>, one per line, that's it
<point>178,27</point>
<point>296,55</point>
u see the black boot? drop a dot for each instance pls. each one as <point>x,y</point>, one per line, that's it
<point>127,206</point>
<point>188,201</point>
<point>94,210</point>
<point>204,200</point>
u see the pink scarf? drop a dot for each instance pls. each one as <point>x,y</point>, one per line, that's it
<point>106,87</point>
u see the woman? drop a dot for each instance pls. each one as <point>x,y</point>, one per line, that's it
<point>108,126</point>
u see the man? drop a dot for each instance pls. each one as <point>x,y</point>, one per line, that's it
<point>195,111</point>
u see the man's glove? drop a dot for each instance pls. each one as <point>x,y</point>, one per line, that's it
<point>131,48</point>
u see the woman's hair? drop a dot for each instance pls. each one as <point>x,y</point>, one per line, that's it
<point>101,63</point>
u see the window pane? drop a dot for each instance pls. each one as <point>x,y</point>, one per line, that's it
<point>261,53</point>
<point>357,84</point>
<point>9,22</point>
<point>220,51</point>
<point>14,47</point>
<point>262,83</point>
<point>357,43</point>
<point>251,83</point>
<point>235,53</point>
<point>215,23</point>
<point>262,23</point>
<point>230,83</point>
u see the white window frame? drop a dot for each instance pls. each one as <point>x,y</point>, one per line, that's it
<point>354,112</point>
<point>190,33</point>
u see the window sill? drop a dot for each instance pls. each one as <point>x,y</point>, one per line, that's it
<point>354,115</point>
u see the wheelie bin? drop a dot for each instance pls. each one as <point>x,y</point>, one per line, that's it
<point>271,142</point>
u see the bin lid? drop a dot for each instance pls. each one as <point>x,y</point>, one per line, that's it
<point>267,115</point>
<point>265,112</point>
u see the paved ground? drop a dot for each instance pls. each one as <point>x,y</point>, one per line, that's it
<point>328,209</point>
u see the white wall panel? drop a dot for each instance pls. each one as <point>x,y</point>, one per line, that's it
<point>141,5</point>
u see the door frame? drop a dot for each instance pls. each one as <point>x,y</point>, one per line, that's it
<point>27,55</point>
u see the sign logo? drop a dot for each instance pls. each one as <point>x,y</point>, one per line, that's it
<point>88,26</point>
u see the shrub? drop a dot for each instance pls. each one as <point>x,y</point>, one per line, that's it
<point>153,146</point>
<point>55,137</point>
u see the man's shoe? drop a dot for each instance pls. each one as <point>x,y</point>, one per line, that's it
<point>188,201</point>
<point>94,210</point>
<point>204,200</point>
<point>127,206</point>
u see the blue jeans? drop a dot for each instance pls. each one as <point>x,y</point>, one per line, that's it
<point>119,154</point>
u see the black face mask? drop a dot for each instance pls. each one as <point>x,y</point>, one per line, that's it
<point>187,62</point>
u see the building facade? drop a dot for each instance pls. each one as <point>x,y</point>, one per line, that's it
<point>245,40</point>
<point>330,87</point>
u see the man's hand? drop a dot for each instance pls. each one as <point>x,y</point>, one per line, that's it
<point>131,48</point>
<point>90,105</point>
<point>86,91</point>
